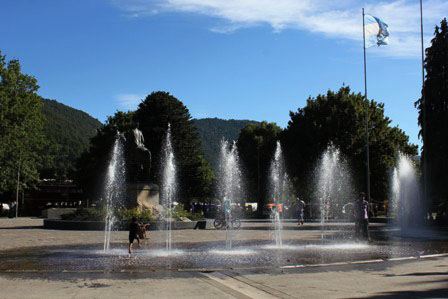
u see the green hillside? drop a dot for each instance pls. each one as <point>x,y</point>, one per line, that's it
<point>68,131</point>
<point>212,130</point>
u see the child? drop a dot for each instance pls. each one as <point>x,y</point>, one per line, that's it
<point>142,231</point>
<point>133,233</point>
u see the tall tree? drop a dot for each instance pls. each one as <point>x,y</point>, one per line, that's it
<point>256,146</point>
<point>153,115</point>
<point>433,113</point>
<point>92,164</point>
<point>339,118</point>
<point>21,121</point>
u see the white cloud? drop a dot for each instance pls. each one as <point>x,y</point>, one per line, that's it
<point>129,101</point>
<point>334,19</point>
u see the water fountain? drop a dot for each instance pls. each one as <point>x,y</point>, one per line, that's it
<point>169,185</point>
<point>334,185</point>
<point>406,193</point>
<point>114,187</point>
<point>334,189</point>
<point>230,184</point>
<point>279,184</point>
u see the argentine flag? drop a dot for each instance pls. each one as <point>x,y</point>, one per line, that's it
<point>375,31</point>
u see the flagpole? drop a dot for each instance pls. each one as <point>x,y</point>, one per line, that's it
<point>367,108</point>
<point>425,164</point>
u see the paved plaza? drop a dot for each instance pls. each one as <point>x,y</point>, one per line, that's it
<point>421,274</point>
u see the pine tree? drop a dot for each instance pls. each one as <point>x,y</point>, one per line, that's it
<point>153,115</point>
<point>433,113</point>
<point>256,147</point>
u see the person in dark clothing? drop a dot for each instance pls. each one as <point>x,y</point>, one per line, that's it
<point>133,233</point>
<point>361,210</point>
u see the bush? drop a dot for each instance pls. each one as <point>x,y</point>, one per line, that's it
<point>179,212</point>
<point>145,215</point>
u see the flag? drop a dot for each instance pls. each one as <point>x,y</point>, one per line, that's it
<point>375,31</point>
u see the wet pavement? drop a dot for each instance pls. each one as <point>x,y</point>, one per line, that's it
<point>53,264</point>
<point>248,251</point>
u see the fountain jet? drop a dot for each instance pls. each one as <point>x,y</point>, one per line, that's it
<point>114,187</point>
<point>334,185</point>
<point>230,184</point>
<point>406,193</point>
<point>169,184</point>
<point>279,189</point>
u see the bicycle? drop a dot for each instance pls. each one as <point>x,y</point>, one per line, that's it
<point>221,223</point>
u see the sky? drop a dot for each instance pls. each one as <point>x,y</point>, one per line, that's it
<point>231,59</point>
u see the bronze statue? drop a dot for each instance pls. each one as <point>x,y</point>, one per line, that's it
<point>138,156</point>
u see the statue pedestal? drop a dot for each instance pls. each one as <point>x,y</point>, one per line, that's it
<point>143,196</point>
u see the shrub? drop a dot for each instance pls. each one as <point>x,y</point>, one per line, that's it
<point>145,215</point>
<point>179,211</point>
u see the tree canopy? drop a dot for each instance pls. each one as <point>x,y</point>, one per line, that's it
<point>339,118</point>
<point>21,123</point>
<point>153,115</point>
<point>256,147</point>
<point>92,164</point>
<point>433,112</point>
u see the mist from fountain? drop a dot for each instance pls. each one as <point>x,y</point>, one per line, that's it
<point>169,185</point>
<point>334,185</point>
<point>279,189</point>
<point>114,188</point>
<point>406,194</point>
<point>229,184</point>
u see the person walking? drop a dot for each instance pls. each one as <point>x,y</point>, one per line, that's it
<point>361,210</point>
<point>300,210</point>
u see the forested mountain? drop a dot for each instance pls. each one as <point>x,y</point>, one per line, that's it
<point>212,130</point>
<point>68,131</point>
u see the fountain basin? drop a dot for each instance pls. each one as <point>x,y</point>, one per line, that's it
<point>205,256</point>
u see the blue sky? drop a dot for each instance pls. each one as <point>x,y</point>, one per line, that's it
<point>242,59</point>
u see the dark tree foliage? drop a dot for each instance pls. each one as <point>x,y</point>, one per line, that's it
<point>153,115</point>
<point>256,147</point>
<point>339,118</point>
<point>213,130</point>
<point>92,164</point>
<point>68,132</point>
<point>21,120</point>
<point>433,111</point>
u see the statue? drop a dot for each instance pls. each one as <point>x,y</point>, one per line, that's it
<point>138,156</point>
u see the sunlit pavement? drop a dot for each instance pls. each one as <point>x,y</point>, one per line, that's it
<point>38,263</point>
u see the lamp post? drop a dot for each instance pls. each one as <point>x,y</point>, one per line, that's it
<point>17,189</point>
<point>423,103</point>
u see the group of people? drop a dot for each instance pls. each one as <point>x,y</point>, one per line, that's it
<point>360,211</point>
<point>137,230</point>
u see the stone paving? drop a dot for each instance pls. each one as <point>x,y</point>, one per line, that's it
<point>423,277</point>
<point>27,232</point>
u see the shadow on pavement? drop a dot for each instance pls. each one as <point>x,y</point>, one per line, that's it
<point>433,293</point>
<point>23,227</point>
